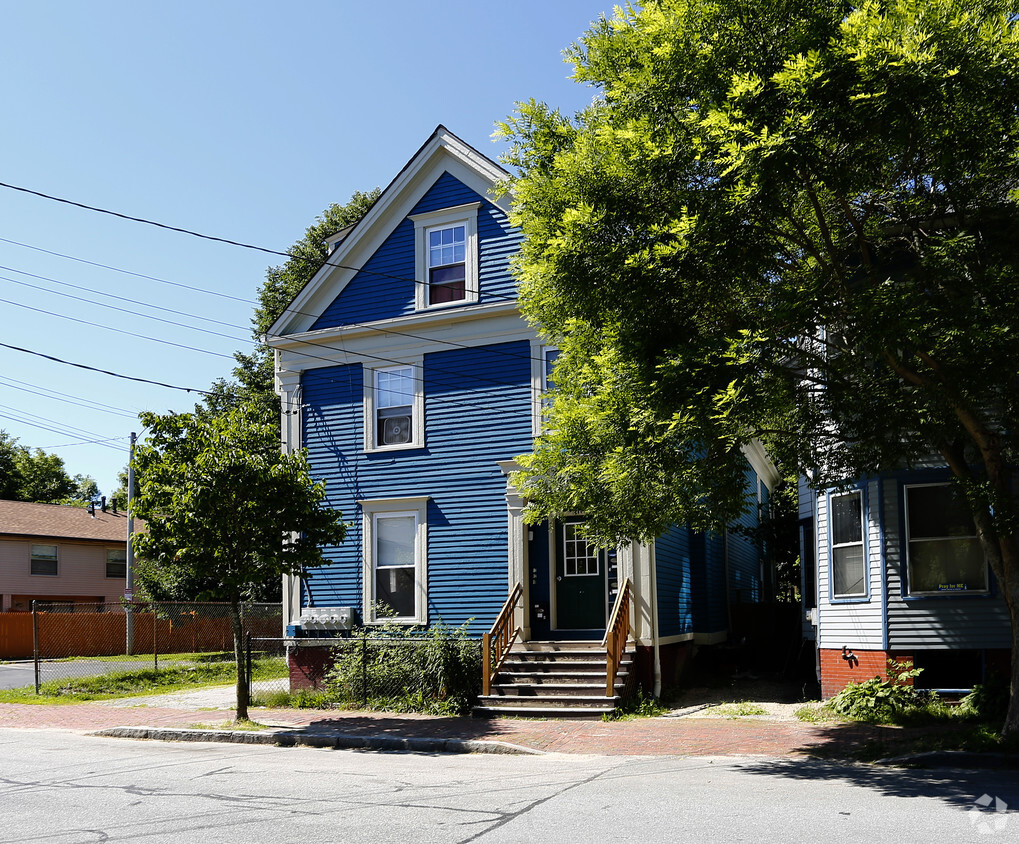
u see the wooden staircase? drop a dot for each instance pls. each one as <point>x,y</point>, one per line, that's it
<point>555,680</point>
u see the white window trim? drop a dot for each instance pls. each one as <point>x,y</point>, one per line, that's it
<point>417,439</point>
<point>539,385</point>
<point>31,556</point>
<point>416,506</point>
<point>862,542</point>
<point>909,540</point>
<point>467,215</point>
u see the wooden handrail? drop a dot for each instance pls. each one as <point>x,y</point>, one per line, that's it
<point>616,635</point>
<point>501,637</point>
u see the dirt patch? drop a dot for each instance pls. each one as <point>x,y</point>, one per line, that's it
<point>740,696</point>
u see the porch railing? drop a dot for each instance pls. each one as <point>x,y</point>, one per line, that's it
<point>616,635</point>
<point>495,644</point>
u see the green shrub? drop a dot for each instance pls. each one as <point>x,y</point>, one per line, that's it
<point>988,702</point>
<point>881,700</point>
<point>436,671</point>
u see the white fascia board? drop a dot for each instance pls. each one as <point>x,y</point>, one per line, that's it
<point>403,338</point>
<point>444,152</point>
<point>759,461</point>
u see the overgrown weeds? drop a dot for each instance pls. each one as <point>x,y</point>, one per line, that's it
<point>436,671</point>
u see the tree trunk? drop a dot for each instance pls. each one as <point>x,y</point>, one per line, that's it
<point>240,661</point>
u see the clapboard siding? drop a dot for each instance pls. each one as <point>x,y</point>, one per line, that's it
<point>952,621</point>
<point>853,623</point>
<point>672,566</point>
<point>81,571</point>
<point>384,287</point>
<point>477,411</point>
<point>744,558</point>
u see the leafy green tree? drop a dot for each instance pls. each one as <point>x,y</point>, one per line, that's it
<point>792,220</point>
<point>226,511</point>
<point>9,478</point>
<point>42,477</point>
<point>252,382</point>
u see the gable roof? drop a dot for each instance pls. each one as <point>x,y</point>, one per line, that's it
<point>58,521</point>
<point>442,152</point>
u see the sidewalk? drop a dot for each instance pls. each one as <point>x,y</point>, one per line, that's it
<point>188,719</point>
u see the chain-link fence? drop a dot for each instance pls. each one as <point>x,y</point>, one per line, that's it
<point>428,672</point>
<point>74,642</point>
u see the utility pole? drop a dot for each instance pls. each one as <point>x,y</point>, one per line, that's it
<point>129,568</point>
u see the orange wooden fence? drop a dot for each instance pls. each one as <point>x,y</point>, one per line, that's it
<point>68,634</point>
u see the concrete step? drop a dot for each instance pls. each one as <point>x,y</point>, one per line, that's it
<point>540,678</point>
<point>569,691</point>
<point>577,712</point>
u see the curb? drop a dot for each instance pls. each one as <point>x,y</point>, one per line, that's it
<point>339,741</point>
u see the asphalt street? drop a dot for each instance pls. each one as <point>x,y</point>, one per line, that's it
<point>16,674</point>
<point>73,789</point>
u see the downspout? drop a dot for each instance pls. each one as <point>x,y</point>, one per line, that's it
<point>725,569</point>
<point>657,691</point>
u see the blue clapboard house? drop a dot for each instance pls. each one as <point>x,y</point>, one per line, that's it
<point>407,371</point>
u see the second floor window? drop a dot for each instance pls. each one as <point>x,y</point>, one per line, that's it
<point>44,560</point>
<point>394,406</point>
<point>116,562</point>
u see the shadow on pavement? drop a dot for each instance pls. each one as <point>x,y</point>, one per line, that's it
<point>951,785</point>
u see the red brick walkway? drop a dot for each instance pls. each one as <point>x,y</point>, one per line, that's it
<point>641,737</point>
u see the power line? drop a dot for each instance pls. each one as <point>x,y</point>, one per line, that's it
<point>109,296</point>
<point>56,395</point>
<point>365,325</point>
<point>105,371</point>
<point>117,330</point>
<point>214,238</point>
<point>128,272</point>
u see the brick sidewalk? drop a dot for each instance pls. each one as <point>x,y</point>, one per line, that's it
<point>640,737</point>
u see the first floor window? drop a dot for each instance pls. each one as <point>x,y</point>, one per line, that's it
<point>943,549</point>
<point>44,560</point>
<point>116,562</point>
<point>848,560</point>
<point>395,564</point>
<point>394,547</point>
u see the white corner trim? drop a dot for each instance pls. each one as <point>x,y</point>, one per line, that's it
<point>759,461</point>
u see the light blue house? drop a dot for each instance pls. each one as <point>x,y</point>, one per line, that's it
<point>893,570</point>
<point>407,371</point>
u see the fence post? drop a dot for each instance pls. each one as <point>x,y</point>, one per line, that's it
<point>35,644</point>
<point>247,661</point>
<point>155,636</point>
<point>364,672</point>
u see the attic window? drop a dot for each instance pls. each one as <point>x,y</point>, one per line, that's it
<point>447,256</point>
<point>446,253</point>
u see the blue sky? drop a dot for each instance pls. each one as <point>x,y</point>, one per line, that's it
<point>239,120</point>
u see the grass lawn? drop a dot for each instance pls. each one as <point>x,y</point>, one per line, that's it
<point>142,682</point>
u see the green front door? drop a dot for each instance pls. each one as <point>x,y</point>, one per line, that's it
<point>580,594</point>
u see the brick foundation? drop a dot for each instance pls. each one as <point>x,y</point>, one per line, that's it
<point>836,671</point>
<point>673,657</point>
<point>308,667</point>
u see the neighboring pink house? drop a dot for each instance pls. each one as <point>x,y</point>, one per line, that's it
<point>50,552</point>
